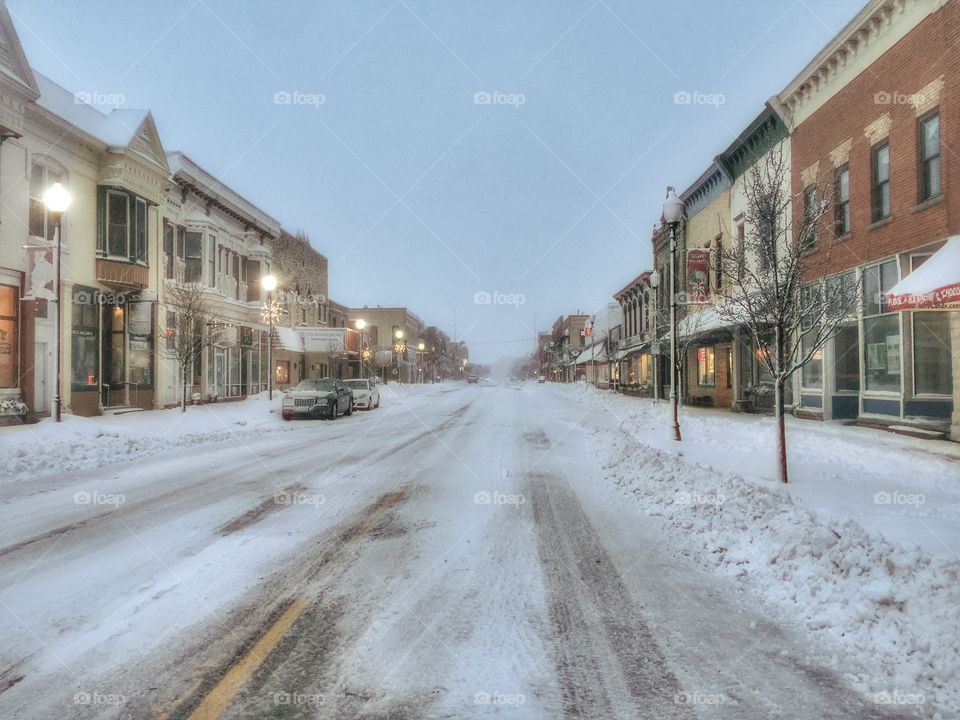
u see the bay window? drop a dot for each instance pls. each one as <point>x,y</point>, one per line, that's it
<point>193,272</point>
<point>123,226</point>
<point>212,261</point>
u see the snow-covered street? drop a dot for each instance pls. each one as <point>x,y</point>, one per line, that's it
<point>465,550</point>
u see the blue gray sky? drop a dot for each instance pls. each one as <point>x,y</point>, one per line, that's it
<point>420,192</point>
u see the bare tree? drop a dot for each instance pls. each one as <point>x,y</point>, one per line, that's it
<point>778,280</point>
<point>190,325</point>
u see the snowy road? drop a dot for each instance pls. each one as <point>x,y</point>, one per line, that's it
<point>456,553</point>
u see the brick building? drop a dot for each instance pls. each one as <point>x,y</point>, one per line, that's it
<point>873,117</point>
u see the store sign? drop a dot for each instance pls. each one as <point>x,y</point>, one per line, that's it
<point>698,276</point>
<point>324,340</point>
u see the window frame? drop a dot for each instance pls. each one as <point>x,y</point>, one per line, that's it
<point>878,186</point>
<point>136,226</point>
<point>45,183</point>
<point>841,206</point>
<point>711,350</point>
<point>922,160</point>
<point>913,357</point>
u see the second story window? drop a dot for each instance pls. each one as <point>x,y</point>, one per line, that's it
<point>212,261</point>
<point>41,178</point>
<point>168,241</point>
<point>930,156</point>
<point>123,226</point>
<point>193,270</point>
<point>842,201</point>
<point>881,181</point>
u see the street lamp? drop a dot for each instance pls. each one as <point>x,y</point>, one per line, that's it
<point>269,283</point>
<point>655,284</point>
<point>399,347</point>
<point>361,324</point>
<point>57,200</point>
<point>672,214</point>
<point>420,347</point>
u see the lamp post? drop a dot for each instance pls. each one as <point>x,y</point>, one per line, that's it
<point>361,324</point>
<point>672,213</point>
<point>399,346</point>
<point>269,283</point>
<point>57,200</point>
<point>655,284</point>
<point>420,347</point>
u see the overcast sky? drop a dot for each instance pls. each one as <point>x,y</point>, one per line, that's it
<point>361,124</point>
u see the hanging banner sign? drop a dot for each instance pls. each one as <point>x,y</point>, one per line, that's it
<point>41,274</point>
<point>698,276</point>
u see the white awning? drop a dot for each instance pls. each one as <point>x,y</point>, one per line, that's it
<point>597,351</point>
<point>705,321</point>
<point>934,284</point>
<point>287,339</point>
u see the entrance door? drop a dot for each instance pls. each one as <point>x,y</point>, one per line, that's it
<point>41,390</point>
<point>219,372</point>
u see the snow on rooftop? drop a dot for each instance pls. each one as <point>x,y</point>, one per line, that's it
<point>116,129</point>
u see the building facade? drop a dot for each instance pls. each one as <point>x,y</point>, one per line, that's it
<point>874,116</point>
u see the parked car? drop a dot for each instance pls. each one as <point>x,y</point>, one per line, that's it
<point>317,398</point>
<point>366,394</point>
<point>472,379</point>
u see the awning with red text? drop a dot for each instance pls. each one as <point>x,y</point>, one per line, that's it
<point>934,284</point>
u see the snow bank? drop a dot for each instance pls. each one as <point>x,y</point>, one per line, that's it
<point>890,607</point>
<point>78,443</point>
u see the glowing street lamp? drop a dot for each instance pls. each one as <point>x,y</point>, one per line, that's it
<point>672,214</point>
<point>269,313</point>
<point>361,324</point>
<point>57,200</point>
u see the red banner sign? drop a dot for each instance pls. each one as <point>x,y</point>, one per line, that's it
<point>698,276</point>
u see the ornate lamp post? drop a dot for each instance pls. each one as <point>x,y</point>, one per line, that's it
<point>57,200</point>
<point>361,325</point>
<point>271,313</point>
<point>672,214</point>
<point>399,347</point>
<point>420,348</point>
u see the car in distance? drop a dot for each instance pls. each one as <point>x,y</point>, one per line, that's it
<point>317,398</point>
<point>541,379</point>
<point>366,394</point>
<point>472,379</point>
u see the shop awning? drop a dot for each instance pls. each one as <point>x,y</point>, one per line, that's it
<point>596,351</point>
<point>710,321</point>
<point>287,339</point>
<point>632,350</point>
<point>936,283</point>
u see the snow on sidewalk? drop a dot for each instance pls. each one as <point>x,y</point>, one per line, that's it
<point>884,594</point>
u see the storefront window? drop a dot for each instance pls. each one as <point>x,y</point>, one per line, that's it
<point>878,280</point>
<point>881,341</point>
<point>706,367</point>
<point>644,369</point>
<point>8,336</point>
<point>84,339</point>
<point>846,359</point>
<point>141,344</point>
<point>283,372</point>
<point>812,373</point>
<point>932,353</point>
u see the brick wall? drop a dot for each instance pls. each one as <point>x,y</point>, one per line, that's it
<point>876,102</point>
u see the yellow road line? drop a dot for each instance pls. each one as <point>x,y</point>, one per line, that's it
<point>223,693</point>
